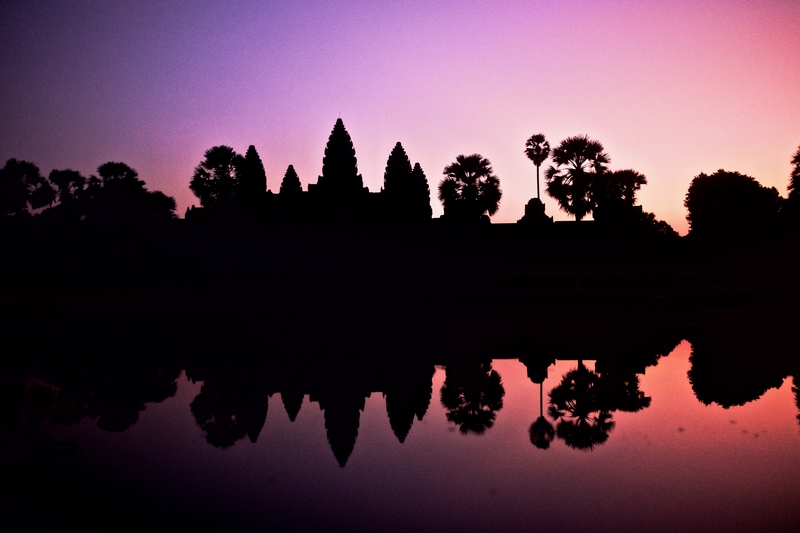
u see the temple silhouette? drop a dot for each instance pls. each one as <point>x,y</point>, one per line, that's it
<point>339,198</point>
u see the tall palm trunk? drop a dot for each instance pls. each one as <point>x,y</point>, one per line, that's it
<point>540,399</point>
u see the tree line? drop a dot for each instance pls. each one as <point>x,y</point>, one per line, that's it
<point>229,185</point>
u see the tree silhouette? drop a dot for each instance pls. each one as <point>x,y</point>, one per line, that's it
<point>252,176</point>
<point>729,204</point>
<point>538,150</point>
<point>115,172</point>
<point>470,189</point>
<point>119,197</point>
<point>69,185</point>
<point>339,166</point>
<point>578,161</point>
<point>584,422</point>
<point>216,178</point>
<point>790,210</point>
<point>541,431</point>
<point>405,189</point>
<point>472,393</point>
<point>116,197</point>
<point>794,180</point>
<point>23,188</point>
<point>613,194</point>
<point>290,186</point>
<point>229,408</point>
<point>619,391</point>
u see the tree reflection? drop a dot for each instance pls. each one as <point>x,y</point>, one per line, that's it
<point>472,394</point>
<point>576,403</point>
<point>541,431</point>
<point>619,391</point>
<point>796,391</point>
<point>228,409</point>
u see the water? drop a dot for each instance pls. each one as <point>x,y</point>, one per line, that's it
<point>675,465</point>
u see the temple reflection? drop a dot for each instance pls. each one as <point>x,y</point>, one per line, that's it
<point>736,357</point>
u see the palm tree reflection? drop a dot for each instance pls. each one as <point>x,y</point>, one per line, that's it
<point>583,420</point>
<point>472,394</point>
<point>541,430</point>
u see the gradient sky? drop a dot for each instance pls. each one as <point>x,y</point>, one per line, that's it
<point>670,89</point>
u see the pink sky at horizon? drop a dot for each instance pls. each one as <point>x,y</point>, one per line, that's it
<point>670,90</point>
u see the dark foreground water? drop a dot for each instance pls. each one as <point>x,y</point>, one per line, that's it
<point>200,460</point>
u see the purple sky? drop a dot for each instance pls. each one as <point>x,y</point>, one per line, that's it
<point>671,90</point>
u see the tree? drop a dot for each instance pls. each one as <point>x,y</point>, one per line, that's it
<point>578,161</point>
<point>118,196</point>
<point>216,179</point>
<point>472,394</point>
<point>290,186</point>
<point>114,172</point>
<point>339,166</point>
<point>538,150</point>
<point>252,176</point>
<point>23,188</point>
<point>584,421</point>
<point>728,204</point>
<point>790,210</point>
<point>613,195</point>
<point>69,185</point>
<point>470,189</point>
<point>405,189</point>
<point>794,180</point>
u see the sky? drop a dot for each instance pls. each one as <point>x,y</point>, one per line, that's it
<point>670,89</point>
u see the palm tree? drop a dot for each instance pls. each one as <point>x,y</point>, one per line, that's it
<point>578,160</point>
<point>538,150</point>
<point>216,178</point>
<point>470,189</point>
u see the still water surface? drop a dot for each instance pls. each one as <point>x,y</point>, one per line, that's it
<point>676,465</point>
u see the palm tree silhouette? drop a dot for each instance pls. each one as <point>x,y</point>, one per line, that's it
<point>577,161</point>
<point>470,189</point>
<point>541,431</point>
<point>472,394</point>
<point>538,150</point>
<point>576,403</point>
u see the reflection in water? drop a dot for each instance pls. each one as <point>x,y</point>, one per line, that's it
<point>408,394</point>
<point>472,394</point>
<point>232,404</point>
<point>228,409</point>
<point>541,431</point>
<point>796,391</point>
<point>576,403</point>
